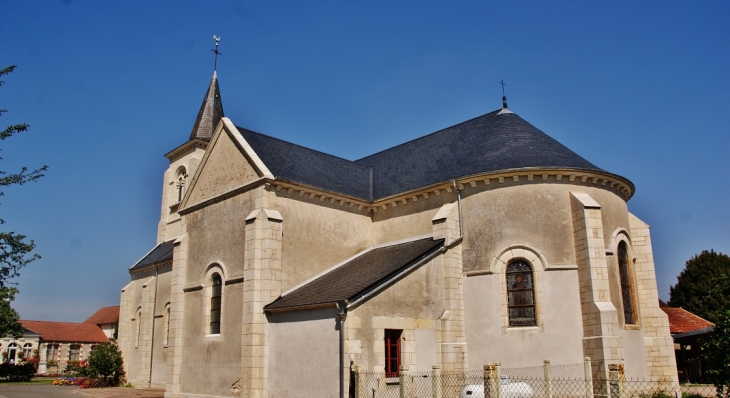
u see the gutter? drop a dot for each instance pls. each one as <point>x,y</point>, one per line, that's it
<point>458,199</point>
<point>693,333</point>
<point>152,337</point>
<point>341,316</point>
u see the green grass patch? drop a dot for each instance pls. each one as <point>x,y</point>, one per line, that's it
<point>35,381</point>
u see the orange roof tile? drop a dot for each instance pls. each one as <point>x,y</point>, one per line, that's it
<point>104,315</point>
<point>683,321</point>
<point>66,331</point>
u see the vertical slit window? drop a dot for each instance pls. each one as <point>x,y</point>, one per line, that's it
<point>138,327</point>
<point>626,285</point>
<point>392,352</point>
<point>167,325</point>
<point>216,293</point>
<point>520,294</point>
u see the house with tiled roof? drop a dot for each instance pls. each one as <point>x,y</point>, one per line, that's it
<point>106,318</point>
<point>278,268</point>
<point>686,329</point>
<point>54,343</point>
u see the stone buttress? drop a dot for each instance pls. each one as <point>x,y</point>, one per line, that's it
<point>658,343</point>
<point>601,341</point>
<point>262,285</point>
<point>452,336</point>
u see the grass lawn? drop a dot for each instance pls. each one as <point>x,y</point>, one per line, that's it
<point>36,380</point>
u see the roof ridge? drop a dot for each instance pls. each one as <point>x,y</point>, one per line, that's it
<point>70,323</point>
<point>430,134</point>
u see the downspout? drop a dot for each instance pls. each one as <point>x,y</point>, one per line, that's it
<point>458,199</point>
<point>152,337</point>
<point>341,316</point>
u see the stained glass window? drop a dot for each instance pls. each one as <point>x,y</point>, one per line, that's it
<point>520,294</point>
<point>626,294</point>
<point>216,294</point>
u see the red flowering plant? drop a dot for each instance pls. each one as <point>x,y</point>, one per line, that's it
<point>76,368</point>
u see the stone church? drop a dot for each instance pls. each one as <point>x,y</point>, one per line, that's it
<point>278,267</point>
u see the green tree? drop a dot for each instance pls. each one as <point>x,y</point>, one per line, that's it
<point>106,361</point>
<point>14,250</point>
<point>703,287</point>
<point>715,348</point>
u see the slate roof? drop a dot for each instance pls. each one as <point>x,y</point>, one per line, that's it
<point>358,276</point>
<point>161,252</point>
<point>104,315</point>
<point>316,169</point>
<point>66,331</point>
<point>211,112</point>
<point>682,321</point>
<point>488,143</point>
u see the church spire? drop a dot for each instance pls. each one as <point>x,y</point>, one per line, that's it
<point>211,112</point>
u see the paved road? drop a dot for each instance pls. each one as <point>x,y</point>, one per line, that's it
<point>39,391</point>
<point>49,391</point>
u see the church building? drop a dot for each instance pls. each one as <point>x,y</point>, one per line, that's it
<point>277,268</point>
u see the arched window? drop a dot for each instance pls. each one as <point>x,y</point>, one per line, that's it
<point>12,352</point>
<point>216,294</point>
<point>27,350</point>
<point>520,294</point>
<point>180,183</point>
<point>626,285</point>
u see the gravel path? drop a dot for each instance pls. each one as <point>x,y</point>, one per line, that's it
<point>49,391</point>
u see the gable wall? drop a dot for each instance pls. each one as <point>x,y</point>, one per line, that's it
<point>216,235</point>
<point>226,169</point>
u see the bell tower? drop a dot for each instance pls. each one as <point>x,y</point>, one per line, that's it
<point>184,161</point>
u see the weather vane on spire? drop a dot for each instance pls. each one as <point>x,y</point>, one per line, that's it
<point>217,53</point>
<point>504,97</point>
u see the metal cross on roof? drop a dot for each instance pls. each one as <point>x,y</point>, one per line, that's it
<point>217,53</point>
<point>503,84</point>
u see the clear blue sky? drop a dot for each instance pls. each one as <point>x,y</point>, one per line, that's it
<point>640,89</point>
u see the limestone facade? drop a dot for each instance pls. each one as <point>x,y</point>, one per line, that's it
<point>270,239</point>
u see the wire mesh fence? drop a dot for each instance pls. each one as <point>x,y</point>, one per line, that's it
<point>564,381</point>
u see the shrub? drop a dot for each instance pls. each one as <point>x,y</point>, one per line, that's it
<point>24,372</point>
<point>106,361</point>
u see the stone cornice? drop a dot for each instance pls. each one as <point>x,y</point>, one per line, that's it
<point>611,182</point>
<point>186,148</point>
<point>149,267</point>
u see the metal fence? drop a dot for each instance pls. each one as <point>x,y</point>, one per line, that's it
<point>563,381</point>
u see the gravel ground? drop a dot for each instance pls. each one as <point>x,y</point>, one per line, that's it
<point>49,391</point>
<point>118,392</point>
